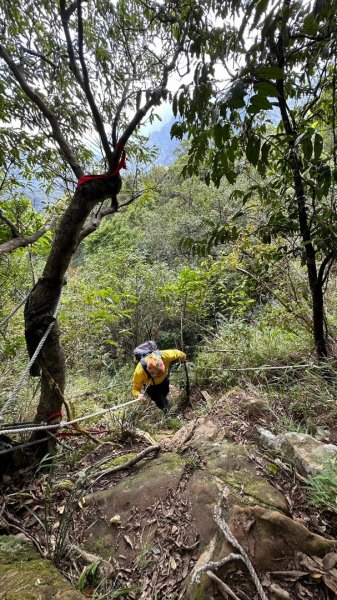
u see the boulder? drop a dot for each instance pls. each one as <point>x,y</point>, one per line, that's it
<point>25,575</point>
<point>158,521</point>
<point>165,510</point>
<point>307,453</point>
<point>195,434</point>
<point>151,483</point>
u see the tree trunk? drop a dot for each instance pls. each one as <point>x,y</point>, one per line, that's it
<point>318,321</point>
<point>42,301</point>
<point>315,283</point>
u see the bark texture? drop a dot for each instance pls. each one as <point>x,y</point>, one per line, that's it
<point>42,301</point>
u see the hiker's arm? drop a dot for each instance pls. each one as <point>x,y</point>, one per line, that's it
<point>137,383</point>
<point>173,355</point>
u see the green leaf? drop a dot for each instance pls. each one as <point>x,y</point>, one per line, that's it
<point>236,95</point>
<point>269,72</point>
<point>306,144</point>
<point>230,176</point>
<point>217,134</point>
<point>265,152</point>
<point>181,103</point>
<point>223,109</point>
<point>259,102</point>
<point>253,149</point>
<point>226,132</point>
<point>310,25</point>
<point>318,145</point>
<point>238,102</point>
<point>175,106</point>
<point>261,7</point>
<point>325,181</point>
<point>266,88</point>
<point>177,130</point>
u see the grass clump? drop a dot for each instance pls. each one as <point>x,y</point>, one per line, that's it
<point>322,488</point>
<point>241,345</point>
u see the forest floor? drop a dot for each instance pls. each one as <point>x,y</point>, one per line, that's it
<point>49,507</point>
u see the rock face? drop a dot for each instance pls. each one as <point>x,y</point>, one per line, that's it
<point>144,489</point>
<point>307,453</point>
<point>157,524</point>
<point>24,575</point>
<point>172,498</point>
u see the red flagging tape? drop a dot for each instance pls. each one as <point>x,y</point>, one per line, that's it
<point>121,165</point>
<point>54,416</point>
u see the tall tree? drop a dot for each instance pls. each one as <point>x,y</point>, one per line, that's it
<point>271,58</point>
<point>79,73</point>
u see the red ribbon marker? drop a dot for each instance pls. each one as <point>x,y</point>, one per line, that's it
<point>54,416</point>
<point>121,165</point>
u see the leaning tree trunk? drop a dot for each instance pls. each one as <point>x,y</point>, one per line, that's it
<point>42,301</point>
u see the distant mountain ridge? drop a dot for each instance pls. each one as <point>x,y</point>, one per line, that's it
<point>160,139</point>
<point>167,147</point>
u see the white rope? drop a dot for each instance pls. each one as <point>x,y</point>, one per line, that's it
<point>5,321</point>
<point>64,424</point>
<point>13,394</point>
<point>272,368</point>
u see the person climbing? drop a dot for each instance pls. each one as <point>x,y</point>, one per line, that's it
<point>152,371</point>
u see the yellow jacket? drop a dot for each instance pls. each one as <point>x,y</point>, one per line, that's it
<point>140,377</point>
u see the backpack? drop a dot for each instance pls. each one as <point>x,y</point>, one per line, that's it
<point>144,349</point>
<point>150,359</point>
<point>153,364</point>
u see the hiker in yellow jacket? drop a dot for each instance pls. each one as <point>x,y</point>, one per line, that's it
<point>152,371</point>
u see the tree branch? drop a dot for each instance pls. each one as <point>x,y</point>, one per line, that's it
<point>155,97</point>
<point>130,463</point>
<point>96,221</point>
<point>118,112</point>
<point>330,257</point>
<point>87,90</point>
<point>38,55</point>
<point>45,110</point>
<point>83,81</point>
<point>8,222</point>
<point>22,242</point>
<point>104,212</point>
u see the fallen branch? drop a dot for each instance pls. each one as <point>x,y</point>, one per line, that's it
<point>131,462</point>
<point>183,546</point>
<point>223,586</point>
<point>144,435</point>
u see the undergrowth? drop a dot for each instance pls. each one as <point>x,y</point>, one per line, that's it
<point>322,487</point>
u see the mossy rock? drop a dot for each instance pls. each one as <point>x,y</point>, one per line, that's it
<point>24,575</point>
<point>150,479</point>
<point>231,464</point>
<point>13,549</point>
